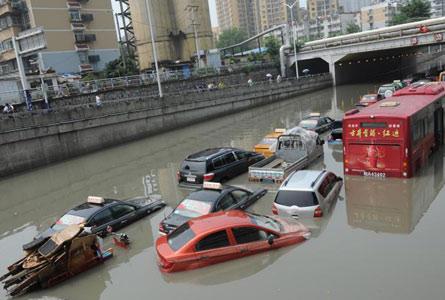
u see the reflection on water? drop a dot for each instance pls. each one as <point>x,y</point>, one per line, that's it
<point>393,205</point>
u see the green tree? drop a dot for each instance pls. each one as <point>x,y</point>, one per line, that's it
<point>273,47</point>
<point>117,68</point>
<point>352,28</point>
<point>413,10</point>
<point>231,37</point>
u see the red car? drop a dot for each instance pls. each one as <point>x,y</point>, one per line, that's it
<point>225,235</point>
<point>370,99</point>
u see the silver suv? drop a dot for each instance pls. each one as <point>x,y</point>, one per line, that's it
<point>307,194</point>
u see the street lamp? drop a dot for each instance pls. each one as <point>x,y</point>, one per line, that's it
<point>291,7</point>
<point>155,56</point>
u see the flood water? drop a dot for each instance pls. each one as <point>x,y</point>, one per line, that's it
<point>382,240</point>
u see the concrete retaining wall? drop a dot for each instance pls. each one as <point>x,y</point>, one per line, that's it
<point>31,140</point>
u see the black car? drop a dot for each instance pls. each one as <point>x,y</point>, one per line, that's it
<point>337,131</point>
<point>217,165</point>
<point>212,198</point>
<point>98,213</point>
<point>316,123</point>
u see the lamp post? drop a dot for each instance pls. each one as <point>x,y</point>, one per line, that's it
<point>153,46</point>
<point>294,35</point>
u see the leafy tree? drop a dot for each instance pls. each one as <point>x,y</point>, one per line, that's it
<point>117,68</point>
<point>273,47</point>
<point>413,10</point>
<point>231,37</point>
<point>352,28</point>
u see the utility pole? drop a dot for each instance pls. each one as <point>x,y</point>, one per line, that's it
<point>155,56</point>
<point>294,35</point>
<point>22,74</point>
<point>193,9</point>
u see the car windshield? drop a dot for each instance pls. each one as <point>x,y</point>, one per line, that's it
<point>296,198</point>
<point>66,221</point>
<point>179,237</point>
<point>308,124</point>
<point>194,166</point>
<point>192,208</point>
<point>383,89</point>
<point>265,221</point>
<point>268,141</point>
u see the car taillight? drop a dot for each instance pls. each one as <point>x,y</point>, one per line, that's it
<point>161,228</point>
<point>274,209</point>
<point>164,263</point>
<point>318,213</point>
<point>178,176</point>
<point>209,176</point>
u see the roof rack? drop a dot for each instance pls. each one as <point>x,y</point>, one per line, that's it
<point>318,177</point>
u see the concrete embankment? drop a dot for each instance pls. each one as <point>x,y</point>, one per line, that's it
<point>32,140</point>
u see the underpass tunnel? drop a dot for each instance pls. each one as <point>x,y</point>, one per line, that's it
<point>376,66</point>
<point>314,66</point>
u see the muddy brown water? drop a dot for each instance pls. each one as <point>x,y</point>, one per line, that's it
<point>383,239</point>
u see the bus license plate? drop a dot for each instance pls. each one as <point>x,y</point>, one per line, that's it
<point>191,179</point>
<point>374,174</point>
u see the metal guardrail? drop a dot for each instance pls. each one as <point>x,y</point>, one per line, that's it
<point>377,34</point>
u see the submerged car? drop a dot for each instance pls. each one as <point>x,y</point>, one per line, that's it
<point>212,198</point>
<point>387,90</point>
<point>217,165</point>
<point>307,193</point>
<point>369,99</point>
<point>223,236</point>
<point>97,214</point>
<point>315,122</point>
<point>336,132</point>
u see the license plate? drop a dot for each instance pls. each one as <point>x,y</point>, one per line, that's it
<point>191,179</point>
<point>374,174</point>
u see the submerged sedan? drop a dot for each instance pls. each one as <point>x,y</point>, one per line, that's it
<point>99,214</point>
<point>223,236</point>
<point>212,197</point>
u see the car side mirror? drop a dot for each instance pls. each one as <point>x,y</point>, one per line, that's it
<point>270,239</point>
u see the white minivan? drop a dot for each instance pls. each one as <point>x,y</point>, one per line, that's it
<point>307,193</point>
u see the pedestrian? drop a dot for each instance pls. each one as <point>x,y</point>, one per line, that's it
<point>269,77</point>
<point>221,85</point>
<point>8,109</point>
<point>250,82</point>
<point>98,101</point>
<point>278,78</point>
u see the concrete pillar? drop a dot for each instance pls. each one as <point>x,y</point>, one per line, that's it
<point>332,71</point>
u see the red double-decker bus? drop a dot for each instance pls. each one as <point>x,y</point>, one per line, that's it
<point>394,137</point>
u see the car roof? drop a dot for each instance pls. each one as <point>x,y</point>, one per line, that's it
<point>86,210</point>
<point>209,153</point>
<point>302,180</point>
<point>219,220</point>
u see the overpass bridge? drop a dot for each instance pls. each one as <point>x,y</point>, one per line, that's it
<point>395,49</point>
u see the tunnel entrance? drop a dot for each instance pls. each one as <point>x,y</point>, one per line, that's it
<point>315,66</point>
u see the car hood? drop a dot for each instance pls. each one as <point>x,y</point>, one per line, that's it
<point>175,220</point>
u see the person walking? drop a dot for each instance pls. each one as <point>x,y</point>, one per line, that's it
<point>98,101</point>
<point>8,109</point>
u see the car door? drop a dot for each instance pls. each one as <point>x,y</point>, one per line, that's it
<point>226,202</point>
<point>250,240</point>
<point>215,248</point>
<point>231,165</point>
<point>243,161</point>
<point>101,220</point>
<point>123,214</point>
<point>242,198</point>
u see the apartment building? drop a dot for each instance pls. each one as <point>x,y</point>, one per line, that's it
<point>437,8</point>
<point>80,35</point>
<point>348,6</point>
<point>322,8</point>
<point>242,14</point>
<point>174,23</point>
<point>378,15</point>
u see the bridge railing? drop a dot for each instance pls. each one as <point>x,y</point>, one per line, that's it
<point>378,34</point>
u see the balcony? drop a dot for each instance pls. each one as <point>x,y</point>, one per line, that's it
<point>74,5</point>
<point>86,68</point>
<point>82,47</point>
<point>77,26</point>
<point>87,17</point>
<point>85,38</point>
